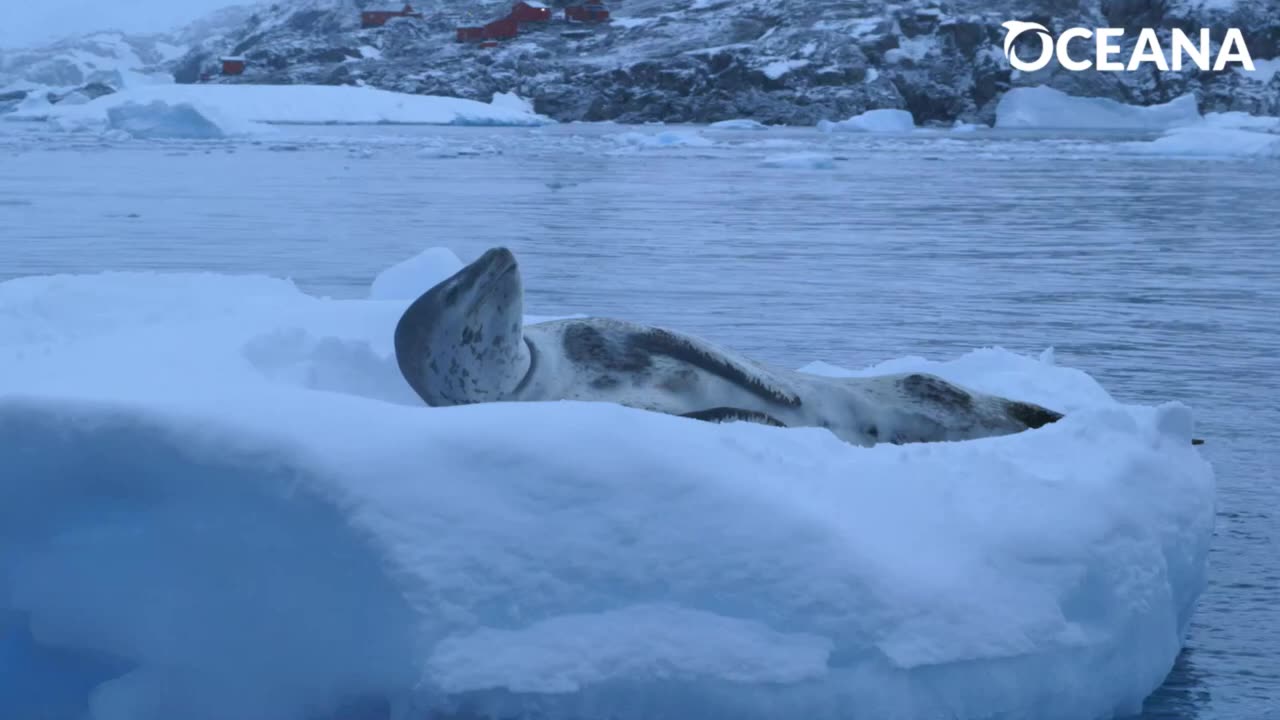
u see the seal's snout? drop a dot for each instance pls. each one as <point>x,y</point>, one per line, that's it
<point>498,260</point>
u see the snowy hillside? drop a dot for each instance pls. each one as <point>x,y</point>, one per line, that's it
<point>776,61</point>
<point>107,61</point>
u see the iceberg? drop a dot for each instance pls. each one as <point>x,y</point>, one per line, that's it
<point>220,500</point>
<point>1043,107</point>
<point>738,124</point>
<point>296,104</point>
<point>1212,142</point>
<point>1218,135</point>
<point>876,121</point>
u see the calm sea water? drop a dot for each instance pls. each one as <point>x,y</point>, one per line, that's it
<point>1159,276</point>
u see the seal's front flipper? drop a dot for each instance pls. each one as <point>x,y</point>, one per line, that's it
<point>732,414</point>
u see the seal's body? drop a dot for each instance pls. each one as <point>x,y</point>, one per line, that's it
<point>463,342</point>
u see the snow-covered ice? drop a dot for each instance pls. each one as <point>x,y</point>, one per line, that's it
<point>1218,135</point>
<point>739,124</point>
<point>220,500</point>
<point>160,120</point>
<point>1043,107</point>
<point>885,121</point>
<point>1213,142</point>
<point>294,104</point>
<point>409,279</point>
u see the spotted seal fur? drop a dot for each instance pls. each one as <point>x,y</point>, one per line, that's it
<point>463,341</point>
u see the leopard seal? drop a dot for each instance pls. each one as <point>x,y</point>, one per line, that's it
<point>464,341</point>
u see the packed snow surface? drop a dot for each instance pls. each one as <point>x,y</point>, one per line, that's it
<point>220,500</point>
<point>301,104</point>
<point>889,121</point>
<point>1046,108</point>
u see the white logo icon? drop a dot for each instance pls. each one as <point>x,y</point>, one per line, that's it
<point>1148,49</point>
<point>1016,28</point>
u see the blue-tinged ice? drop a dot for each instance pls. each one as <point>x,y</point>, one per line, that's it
<point>218,500</point>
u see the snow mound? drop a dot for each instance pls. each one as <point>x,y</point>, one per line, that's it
<point>1043,107</point>
<point>300,104</point>
<point>229,512</point>
<point>409,279</point>
<point>877,121</point>
<point>803,160</point>
<point>739,124</point>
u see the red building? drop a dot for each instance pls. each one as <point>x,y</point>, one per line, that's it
<point>530,11</point>
<point>378,18</point>
<point>233,65</point>
<point>590,12</point>
<point>507,27</point>
<point>504,29</point>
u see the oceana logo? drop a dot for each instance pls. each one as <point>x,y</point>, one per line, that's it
<point>1106,48</point>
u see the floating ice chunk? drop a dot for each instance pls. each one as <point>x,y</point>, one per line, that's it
<point>666,138</point>
<point>1212,142</point>
<point>409,279</point>
<point>807,160</point>
<point>1241,120</point>
<point>739,124</point>
<point>1043,107</point>
<point>160,120</point>
<point>305,104</point>
<point>265,534</point>
<point>877,121</point>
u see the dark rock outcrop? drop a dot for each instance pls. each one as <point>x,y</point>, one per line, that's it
<point>777,61</point>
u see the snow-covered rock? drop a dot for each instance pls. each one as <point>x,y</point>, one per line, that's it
<point>773,61</point>
<point>237,509</point>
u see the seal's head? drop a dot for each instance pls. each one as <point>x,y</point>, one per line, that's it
<point>463,341</point>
